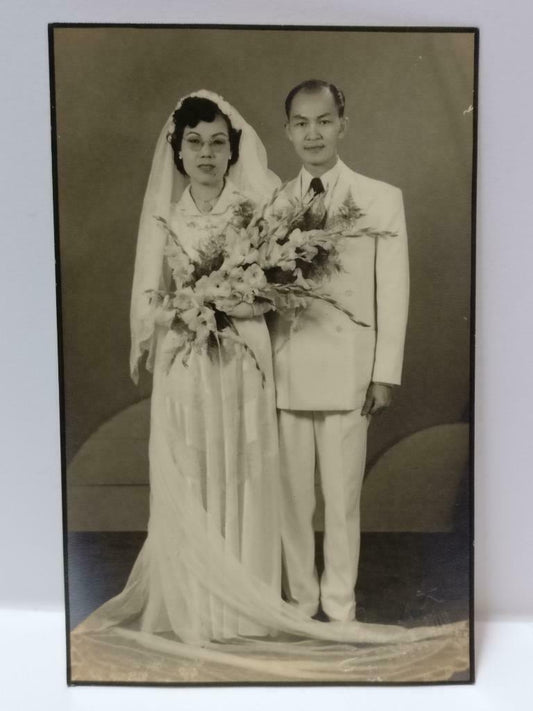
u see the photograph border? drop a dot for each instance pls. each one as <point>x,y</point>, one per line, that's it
<point>472,304</point>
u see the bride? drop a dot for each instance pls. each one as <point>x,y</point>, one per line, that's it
<point>205,589</point>
<point>213,426</point>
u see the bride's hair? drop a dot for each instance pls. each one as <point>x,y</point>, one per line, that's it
<point>193,110</point>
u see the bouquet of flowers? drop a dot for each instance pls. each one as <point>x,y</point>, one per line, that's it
<point>280,254</point>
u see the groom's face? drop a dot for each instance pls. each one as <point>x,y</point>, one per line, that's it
<point>315,128</point>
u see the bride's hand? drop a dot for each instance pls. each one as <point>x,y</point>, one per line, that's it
<point>164,316</point>
<point>243,310</point>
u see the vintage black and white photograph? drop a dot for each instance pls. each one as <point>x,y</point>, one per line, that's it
<point>265,266</point>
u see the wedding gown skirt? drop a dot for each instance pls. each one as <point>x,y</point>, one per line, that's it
<point>202,602</point>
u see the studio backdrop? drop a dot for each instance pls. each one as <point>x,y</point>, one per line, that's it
<point>409,99</point>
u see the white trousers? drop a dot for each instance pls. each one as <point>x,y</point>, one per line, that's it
<point>335,444</point>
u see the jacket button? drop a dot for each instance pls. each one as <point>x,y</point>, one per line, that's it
<point>338,329</point>
<point>348,292</point>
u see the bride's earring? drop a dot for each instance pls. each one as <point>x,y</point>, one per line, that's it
<point>180,156</point>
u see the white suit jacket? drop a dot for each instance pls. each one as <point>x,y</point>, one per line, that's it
<point>325,362</point>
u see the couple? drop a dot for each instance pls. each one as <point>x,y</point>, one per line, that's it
<point>232,460</point>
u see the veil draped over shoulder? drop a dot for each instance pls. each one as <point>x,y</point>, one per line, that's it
<point>165,185</point>
<point>195,608</point>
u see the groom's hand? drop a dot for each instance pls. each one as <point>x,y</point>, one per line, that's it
<point>378,398</point>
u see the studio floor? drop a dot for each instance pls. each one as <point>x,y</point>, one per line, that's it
<point>404,578</point>
<point>407,578</point>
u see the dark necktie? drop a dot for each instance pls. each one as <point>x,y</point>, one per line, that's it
<point>317,186</point>
<point>316,217</point>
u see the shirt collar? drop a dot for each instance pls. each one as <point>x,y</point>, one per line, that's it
<point>328,178</point>
<point>226,199</point>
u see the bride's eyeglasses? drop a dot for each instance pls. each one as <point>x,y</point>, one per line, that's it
<point>216,144</point>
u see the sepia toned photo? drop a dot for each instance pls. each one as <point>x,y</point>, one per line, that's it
<point>265,265</point>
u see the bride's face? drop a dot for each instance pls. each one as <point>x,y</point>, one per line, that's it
<point>205,151</point>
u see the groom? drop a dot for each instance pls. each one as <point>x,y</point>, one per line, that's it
<point>331,375</point>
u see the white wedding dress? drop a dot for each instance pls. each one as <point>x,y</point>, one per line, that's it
<point>213,460</point>
<point>203,600</point>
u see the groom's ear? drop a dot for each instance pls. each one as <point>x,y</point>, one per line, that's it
<point>344,126</point>
<point>288,130</point>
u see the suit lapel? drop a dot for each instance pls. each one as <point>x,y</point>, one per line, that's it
<point>293,188</point>
<point>353,183</point>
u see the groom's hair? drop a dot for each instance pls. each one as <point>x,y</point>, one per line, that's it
<point>312,85</point>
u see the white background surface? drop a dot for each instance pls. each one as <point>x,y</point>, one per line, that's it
<point>30,508</point>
